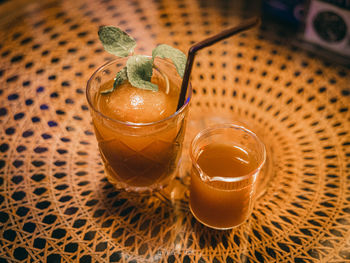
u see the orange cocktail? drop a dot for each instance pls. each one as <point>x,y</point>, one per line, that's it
<point>139,132</point>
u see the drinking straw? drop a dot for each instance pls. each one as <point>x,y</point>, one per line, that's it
<point>205,43</point>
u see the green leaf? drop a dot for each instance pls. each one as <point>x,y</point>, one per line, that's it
<point>139,70</point>
<point>116,41</point>
<point>178,57</point>
<point>119,79</point>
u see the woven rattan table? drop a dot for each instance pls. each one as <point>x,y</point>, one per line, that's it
<point>57,206</point>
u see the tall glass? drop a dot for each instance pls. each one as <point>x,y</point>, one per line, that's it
<point>138,156</point>
<point>224,202</point>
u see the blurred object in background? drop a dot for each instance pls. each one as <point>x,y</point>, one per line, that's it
<point>319,26</point>
<point>288,11</point>
<point>327,25</point>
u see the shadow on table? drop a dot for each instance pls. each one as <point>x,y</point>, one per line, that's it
<point>142,222</point>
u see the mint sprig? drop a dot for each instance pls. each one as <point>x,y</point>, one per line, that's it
<point>139,68</point>
<point>177,56</point>
<point>116,41</point>
<point>119,79</point>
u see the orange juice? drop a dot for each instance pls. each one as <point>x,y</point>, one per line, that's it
<point>216,198</point>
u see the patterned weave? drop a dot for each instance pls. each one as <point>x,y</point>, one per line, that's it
<point>55,202</point>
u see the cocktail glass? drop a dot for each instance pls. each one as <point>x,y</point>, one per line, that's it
<point>138,156</point>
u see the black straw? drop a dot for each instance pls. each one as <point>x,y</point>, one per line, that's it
<point>205,43</point>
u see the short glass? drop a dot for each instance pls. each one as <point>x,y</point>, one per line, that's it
<point>138,156</point>
<point>224,202</point>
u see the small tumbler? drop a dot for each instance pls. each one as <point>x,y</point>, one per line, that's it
<point>226,163</point>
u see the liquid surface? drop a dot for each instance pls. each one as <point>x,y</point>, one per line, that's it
<point>222,160</point>
<point>127,103</point>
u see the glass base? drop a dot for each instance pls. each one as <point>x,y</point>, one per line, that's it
<point>213,227</point>
<point>120,185</point>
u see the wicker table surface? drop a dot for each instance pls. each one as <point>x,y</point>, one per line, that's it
<point>55,203</point>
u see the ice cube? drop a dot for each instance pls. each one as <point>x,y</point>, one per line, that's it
<point>127,103</point>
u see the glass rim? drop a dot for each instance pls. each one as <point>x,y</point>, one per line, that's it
<point>204,177</point>
<point>129,123</point>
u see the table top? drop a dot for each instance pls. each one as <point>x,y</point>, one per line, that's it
<point>55,202</point>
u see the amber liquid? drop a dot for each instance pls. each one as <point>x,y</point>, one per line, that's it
<point>141,157</point>
<point>216,202</point>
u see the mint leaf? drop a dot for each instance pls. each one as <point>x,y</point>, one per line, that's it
<point>178,57</point>
<point>116,41</point>
<point>119,79</point>
<point>139,70</point>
